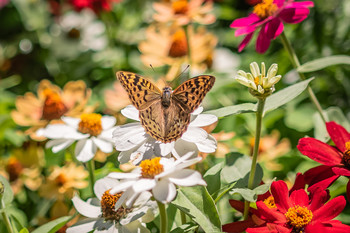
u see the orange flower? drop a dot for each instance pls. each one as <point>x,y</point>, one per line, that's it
<point>50,105</point>
<point>63,181</point>
<point>183,12</point>
<point>168,46</point>
<point>117,98</point>
<point>24,167</point>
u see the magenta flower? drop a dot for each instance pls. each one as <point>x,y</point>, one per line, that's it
<point>268,16</point>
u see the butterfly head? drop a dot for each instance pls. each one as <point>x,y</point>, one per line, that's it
<point>166,96</point>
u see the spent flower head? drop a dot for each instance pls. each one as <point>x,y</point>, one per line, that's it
<point>261,84</point>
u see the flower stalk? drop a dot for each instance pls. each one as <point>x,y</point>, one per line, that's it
<point>5,217</point>
<point>259,116</point>
<point>91,169</point>
<point>163,217</point>
<point>296,64</point>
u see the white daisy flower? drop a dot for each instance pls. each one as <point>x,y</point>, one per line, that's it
<point>261,83</point>
<point>102,216</point>
<point>159,176</point>
<point>136,145</point>
<point>91,131</point>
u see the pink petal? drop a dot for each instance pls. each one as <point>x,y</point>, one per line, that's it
<point>245,30</point>
<point>263,41</point>
<point>279,3</point>
<point>243,22</point>
<point>299,197</point>
<point>274,28</point>
<point>245,42</point>
<point>342,171</point>
<point>319,151</point>
<point>338,134</point>
<point>302,4</point>
<point>330,210</point>
<point>294,15</point>
<point>279,192</point>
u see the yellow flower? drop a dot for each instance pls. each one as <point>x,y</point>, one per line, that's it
<point>183,12</point>
<point>50,104</point>
<point>63,181</point>
<point>168,46</point>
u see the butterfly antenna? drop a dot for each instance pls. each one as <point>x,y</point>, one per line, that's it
<point>152,68</point>
<point>177,77</point>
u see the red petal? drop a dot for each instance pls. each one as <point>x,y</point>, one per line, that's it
<point>237,227</point>
<point>279,192</point>
<point>270,215</point>
<point>299,197</point>
<point>333,226</point>
<point>342,171</point>
<point>318,199</point>
<point>338,134</point>
<point>299,183</point>
<point>320,174</point>
<point>319,151</point>
<point>330,210</point>
<point>237,205</point>
<point>263,41</point>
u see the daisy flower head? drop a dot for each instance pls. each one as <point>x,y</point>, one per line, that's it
<point>136,145</point>
<point>91,131</point>
<point>159,176</point>
<point>268,16</point>
<point>102,216</point>
<point>299,212</point>
<point>260,84</point>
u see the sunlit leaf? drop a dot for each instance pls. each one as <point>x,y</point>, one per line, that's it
<point>324,62</point>
<point>53,226</point>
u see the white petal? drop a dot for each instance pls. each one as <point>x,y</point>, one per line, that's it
<point>134,227</point>
<point>128,136</point>
<point>197,111</point>
<point>260,90</point>
<point>203,120</point>
<point>104,146</point>
<point>188,163</point>
<point>263,69</point>
<point>122,186</point>
<point>187,177</point>
<point>104,184</point>
<point>164,191</point>
<point>194,134</point>
<point>85,225</point>
<point>182,147</point>
<point>122,198</point>
<point>108,122</point>
<point>86,209</point>
<point>58,131</point>
<point>59,144</point>
<point>143,185</point>
<point>254,68</point>
<point>274,80</point>
<point>107,134</point>
<point>131,112</point>
<point>71,121</point>
<point>163,149</point>
<point>134,215</point>
<point>85,150</point>
<point>123,175</point>
<point>209,145</point>
<point>242,80</point>
<point>272,70</point>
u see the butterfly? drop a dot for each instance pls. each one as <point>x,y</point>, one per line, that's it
<point>165,114</point>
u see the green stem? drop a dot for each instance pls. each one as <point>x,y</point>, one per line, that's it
<point>91,168</point>
<point>5,217</point>
<point>295,62</point>
<point>186,28</point>
<point>259,116</point>
<point>163,218</point>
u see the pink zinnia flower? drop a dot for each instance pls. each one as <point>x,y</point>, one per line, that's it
<point>96,5</point>
<point>300,212</point>
<point>335,159</point>
<point>268,16</point>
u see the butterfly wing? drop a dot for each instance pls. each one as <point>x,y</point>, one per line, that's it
<point>190,94</point>
<point>142,93</point>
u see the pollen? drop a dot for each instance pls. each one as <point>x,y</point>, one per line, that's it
<point>270,202</point>
<point>257,81</point>
<point>346,156</point>
<point>14,169</point>
<point>53,107</point>
<point>90,124</point>
<point>178,47</point>
<point>108,207</point>
<point>180,6</point>
<point>298,217</point>
<point>151,167</point>
<point>265,9</point>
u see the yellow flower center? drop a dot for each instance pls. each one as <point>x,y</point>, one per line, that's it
<point>180,6</point>
<point>107,206</point>
<point>257,80</point>
<point>61,179</point>
<point>270,202</point>
<point>53,107</point>
<point>14,169</point>
<point>265,9</point>
<point>346,156</point>
<point>298,217</point>
<point>151,167</point>
<point>178,47</point>
<point>90,124</point>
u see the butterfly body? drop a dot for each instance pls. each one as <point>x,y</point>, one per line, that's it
<point>166,114</point>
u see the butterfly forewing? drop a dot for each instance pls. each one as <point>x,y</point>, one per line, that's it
<point>142,93</point>
<point>192,92</point>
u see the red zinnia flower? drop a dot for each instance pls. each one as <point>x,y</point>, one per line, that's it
<point>299,212</point>
<point>269,15</point>
<point>335,160</point>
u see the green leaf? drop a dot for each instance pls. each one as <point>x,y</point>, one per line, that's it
<point>285,95</point>
<point>185,228</point>
<point>233,110</point>
<point>213,178</point>
<point>251,195</point>
<point>324,62</point>
<point>24,230</point>
<point>197,203</point>
<point>237,167</point>
<point>53,226</point>
<point>8,193</point>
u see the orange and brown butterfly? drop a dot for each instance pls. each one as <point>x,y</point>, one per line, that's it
<point>165,114</point>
